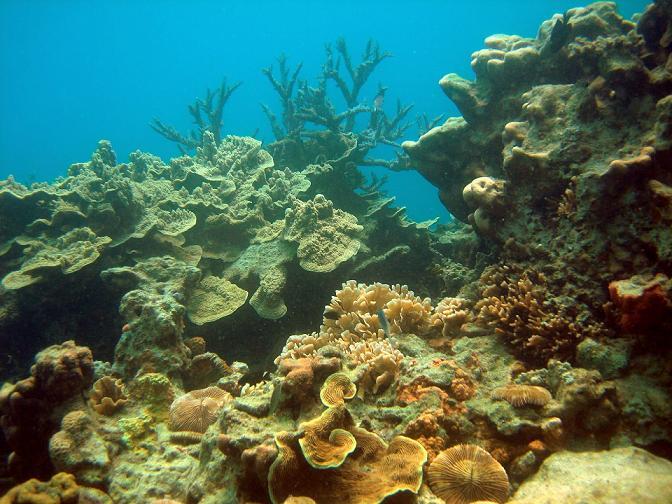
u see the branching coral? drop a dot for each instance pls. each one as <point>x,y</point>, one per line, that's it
<point>305,107</point>
<point>351,324</point>
<point>206,113</point>
<point>518,306</point>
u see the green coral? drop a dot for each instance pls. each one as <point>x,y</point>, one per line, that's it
<point>326,236</point>
<point>69,253</point>
<point>214,298</point>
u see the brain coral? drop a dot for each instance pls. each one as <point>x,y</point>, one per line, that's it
<point>64,370</point>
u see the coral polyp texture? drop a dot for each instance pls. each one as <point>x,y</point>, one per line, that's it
<point>267,327</point>
<point>465,473</point>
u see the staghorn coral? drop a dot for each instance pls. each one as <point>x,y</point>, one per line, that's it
<point>520,396</point>
<point>198,409</point>
<point>207,114</point>
<point>108,395</point>
<point>465,473</point>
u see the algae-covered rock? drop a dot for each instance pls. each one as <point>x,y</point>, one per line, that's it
<point>155,313</point>
<point>609,357</point>
<point>78,449</point>
<point>624,475</point>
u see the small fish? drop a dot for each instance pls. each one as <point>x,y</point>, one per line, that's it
<point>383,322</point>
<point>126,328</point>
<point>378,100</point>
<point>331,314</point>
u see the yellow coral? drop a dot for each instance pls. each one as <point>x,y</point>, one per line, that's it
<point>336,389</point>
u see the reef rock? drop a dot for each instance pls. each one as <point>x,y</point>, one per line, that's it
<point>624,475</point>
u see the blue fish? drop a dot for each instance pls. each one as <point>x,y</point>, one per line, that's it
<point>383,322</point>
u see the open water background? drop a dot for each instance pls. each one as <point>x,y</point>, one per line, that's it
<point>74,72</point>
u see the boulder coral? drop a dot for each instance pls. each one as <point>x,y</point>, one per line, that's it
<point>31,409</point>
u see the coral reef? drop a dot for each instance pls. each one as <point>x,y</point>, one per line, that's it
<point>542,350</point>
<point>562,169</point>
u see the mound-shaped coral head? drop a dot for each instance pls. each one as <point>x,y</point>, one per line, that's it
<point>486,193</point>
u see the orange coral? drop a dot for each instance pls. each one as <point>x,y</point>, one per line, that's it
<point>643,303</point>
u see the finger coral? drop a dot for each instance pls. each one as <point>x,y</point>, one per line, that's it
<point>466,473</point>
<point>519,306</point>
<point>197,410</point>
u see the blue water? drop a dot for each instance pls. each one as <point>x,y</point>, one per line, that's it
<point>73,72</point>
